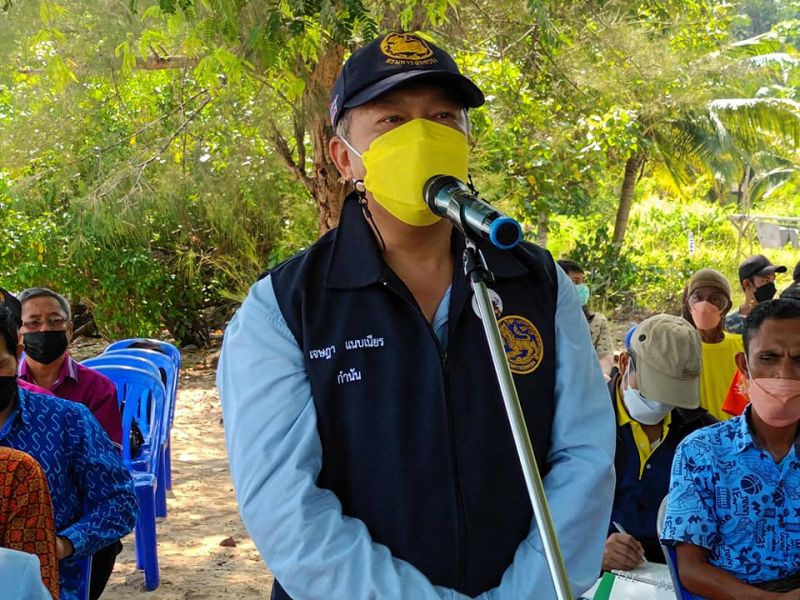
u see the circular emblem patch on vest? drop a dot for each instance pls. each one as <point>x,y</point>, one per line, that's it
<point>406,47</point>
<point>523,344</point>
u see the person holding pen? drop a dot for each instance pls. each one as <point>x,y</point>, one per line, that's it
<point>656,395</point>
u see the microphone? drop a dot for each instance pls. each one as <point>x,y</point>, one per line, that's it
<point>450,198</point>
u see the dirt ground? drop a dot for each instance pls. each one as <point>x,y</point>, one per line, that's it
<point>202,509</point>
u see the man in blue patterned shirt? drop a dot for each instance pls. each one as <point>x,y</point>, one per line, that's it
<point>733,510</point>
<point>93,498</point>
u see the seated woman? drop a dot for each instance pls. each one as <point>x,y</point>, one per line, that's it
<point>26,512</point>
<point>733,511</point>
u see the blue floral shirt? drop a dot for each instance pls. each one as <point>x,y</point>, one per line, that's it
<point>729,496</point>
<point>94,503</point>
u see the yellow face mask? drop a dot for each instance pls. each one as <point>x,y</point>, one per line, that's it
<point>399,162</point>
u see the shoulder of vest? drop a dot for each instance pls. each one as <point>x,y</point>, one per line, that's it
<point>304,257</point>
<point>538,260</point>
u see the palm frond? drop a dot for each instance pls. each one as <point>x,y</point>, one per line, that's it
<point>747,122</point>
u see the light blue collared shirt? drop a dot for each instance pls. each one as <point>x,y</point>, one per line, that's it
<point>317,552</point>
<point>20,576</point>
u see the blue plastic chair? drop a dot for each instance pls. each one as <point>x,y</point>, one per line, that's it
<point>126,361</point>
<point>175,354</point>
<point>671,556</point>
<point>169,372</point>
<point>86,578</point>
<point>137,388</point>
<point>129,358</point>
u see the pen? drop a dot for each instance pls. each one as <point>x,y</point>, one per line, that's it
<point>621,529</point>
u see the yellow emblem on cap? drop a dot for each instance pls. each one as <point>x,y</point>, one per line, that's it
<point>402,48</point>
<point>523,344</point>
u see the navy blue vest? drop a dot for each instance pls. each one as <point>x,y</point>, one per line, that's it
<point>636,501</point>
<point>415,439</point>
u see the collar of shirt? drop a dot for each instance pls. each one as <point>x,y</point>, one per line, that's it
<point>743,438</point>
<point>441,318</point>
<point>640,439</point>
<point>355,244</point>
<point>67,369</point>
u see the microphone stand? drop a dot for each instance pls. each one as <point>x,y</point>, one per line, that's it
<point>479,276</point>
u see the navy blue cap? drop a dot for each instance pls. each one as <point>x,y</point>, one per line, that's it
<point>393,60</point>
<point>758,265</point>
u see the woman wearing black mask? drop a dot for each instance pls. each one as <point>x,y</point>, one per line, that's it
<point>757,277</point>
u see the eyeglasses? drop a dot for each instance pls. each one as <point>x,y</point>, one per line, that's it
<point>54,322</point>
<point>717,299</point>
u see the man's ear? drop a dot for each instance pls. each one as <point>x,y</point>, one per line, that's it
<point>748,286</point>
<point>741,364</point>
<point>70,331</point>
<point>20,348</point>
<point>341,157</point>
<point>624,358</point>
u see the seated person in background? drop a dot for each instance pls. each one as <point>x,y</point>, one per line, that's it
<point>657,381</point>
<point>706,300</point>
<point>10,301</point>
<point>47,331</point>
<point>93,498</point>
<point>598,323</point>
<point>757,278</point>
<point>19,576</point>
<point>737,400</point>
<point>26,512</point>
<point>793,291</point>
<point>733,510</point>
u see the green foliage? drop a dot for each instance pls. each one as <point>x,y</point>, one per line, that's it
<point>157,155</point>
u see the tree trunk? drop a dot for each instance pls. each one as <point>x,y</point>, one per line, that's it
<point>632,167</point>
<point>327,186</point>
<point>542,229</point>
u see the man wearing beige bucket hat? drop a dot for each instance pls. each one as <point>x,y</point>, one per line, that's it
<point>654,394</point>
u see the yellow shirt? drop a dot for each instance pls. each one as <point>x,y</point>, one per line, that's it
<point>643,445</point>
<point>717,373</point>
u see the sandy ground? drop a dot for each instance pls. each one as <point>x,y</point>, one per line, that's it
<point>202,509</point>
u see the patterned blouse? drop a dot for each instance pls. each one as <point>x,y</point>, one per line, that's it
<point>26,513</point>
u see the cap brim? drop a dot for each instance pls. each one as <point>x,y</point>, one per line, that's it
<point>464,90</point>
<point>770,270</point>
<point>680,393</point>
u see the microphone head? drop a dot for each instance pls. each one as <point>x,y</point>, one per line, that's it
<point>433,186</point>
<point>505,233</point>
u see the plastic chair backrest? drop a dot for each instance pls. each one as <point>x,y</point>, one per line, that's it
<point>171,350</point>
<point>167,371</point>
<point>671,556</point>
<point>166,365</point>
<point>123,361</point>
<point>127,361</point>
<point>139,389</point>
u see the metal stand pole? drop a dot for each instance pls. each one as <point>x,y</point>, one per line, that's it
<point>479,275</point>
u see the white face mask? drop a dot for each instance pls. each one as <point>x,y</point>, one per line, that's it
<point>648,412</point>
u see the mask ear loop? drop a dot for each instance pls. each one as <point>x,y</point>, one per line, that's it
<point>361,190</point>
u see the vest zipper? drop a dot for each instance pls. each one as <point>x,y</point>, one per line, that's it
<point>461,508</point>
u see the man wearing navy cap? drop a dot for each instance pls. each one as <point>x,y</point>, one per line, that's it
<point>757,278</point>
<point>369,447</point>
